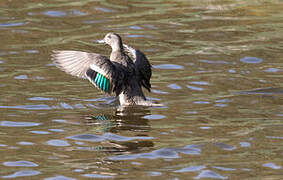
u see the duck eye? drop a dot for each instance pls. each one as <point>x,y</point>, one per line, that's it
<point>109,37</point>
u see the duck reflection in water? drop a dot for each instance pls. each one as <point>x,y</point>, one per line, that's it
<point>129,119</point>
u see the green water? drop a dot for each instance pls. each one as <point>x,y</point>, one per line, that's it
<point>218,68</point>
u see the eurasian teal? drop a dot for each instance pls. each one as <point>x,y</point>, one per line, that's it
<point>119,74</point>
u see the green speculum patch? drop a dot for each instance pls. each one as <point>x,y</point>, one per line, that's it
<point>102,82</point>
<point>99,80</point>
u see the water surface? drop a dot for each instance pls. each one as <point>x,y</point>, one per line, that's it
<point>217,68</point>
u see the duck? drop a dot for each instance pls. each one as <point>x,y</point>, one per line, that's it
<point>118,74</point>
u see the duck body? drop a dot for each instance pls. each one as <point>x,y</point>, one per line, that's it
<point>118,75</point>
<point>130,91</point>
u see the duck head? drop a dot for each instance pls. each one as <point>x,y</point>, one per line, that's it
<point>113,40</point>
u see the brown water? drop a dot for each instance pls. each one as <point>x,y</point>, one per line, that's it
<point>218,67</point>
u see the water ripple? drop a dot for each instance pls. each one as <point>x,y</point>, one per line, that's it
<point>160,153</point>
<point>57,142</point>
<point>32,51</point>
<point>191,169</point>
<point>154,116</point>
<point>199,82</point>
<point>214,62</point>
<point>103,9</point>
<point>191,149</point>
<point>66,106</point>
<point>168,66</point>
<point>20,163</point>
<point>174,86</point>
<point>22,173</point>
<point>40,99</point>
<point>210,174</point>
<point>40,132</point>
<point>271,165</point>
<point>221,105</point>
<point>138,36</point>
<point>251,60</point>
<point>195,88</point>
<point>57,130</point>
<point>18,124</point>
<point>97,176</point>
<point>109,136</point>
<point>225,146</point>
<point>203,53</point>
<point>224,168</point>
<point>87,137</point>
<point>60,120</point>
<point>25,143</point>
<point>154,173</point>
<point>12,24</point>
<point>58,177</point>
<point>114,137</point>
<point>264,91</point>
<point>29,107</point>
<point>273,70</point>
<point>274,137</point>
<point>223,100</point>
<point>201,102</point>
<point>245,144</point>
<point>21,77</point>
<point>159,91</point>
<point>52,13</point>
<point>166,153</point>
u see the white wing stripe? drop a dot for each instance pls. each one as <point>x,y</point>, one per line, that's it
<point>97,69</point>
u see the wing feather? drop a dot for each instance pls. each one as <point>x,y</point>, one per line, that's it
<point>142,65</point>
<point>98,69</point>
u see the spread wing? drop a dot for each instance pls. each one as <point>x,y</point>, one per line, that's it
<point>143,67</point>
<point>98,69</point>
